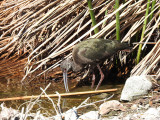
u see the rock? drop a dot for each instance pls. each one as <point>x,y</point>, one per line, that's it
<point>151,114</point>
<point>135,86</point>
<point>57,117</point>
<point>109,106</point>
<point>92,115</point>
<point>158,109</point>
<point>71,114</point>
<point>8,113</point>
<point>134,107</point>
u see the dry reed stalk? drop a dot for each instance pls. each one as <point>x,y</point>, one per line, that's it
<point>46,29</point>
<point>149,63</point>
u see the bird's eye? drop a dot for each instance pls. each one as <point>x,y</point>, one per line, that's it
<point>68,65</point>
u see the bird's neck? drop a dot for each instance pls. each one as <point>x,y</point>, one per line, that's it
<point>76,67</point>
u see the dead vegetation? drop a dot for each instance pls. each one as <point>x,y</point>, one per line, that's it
<point>42,30</point>
<point>150,63</point>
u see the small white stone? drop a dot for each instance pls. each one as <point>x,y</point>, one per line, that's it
<point>71,114</point>
<point>134,107</point>
<point>151,114</point>
<point>109,106</point>
<point>158,109</point>
<point>152,111</point>
<point>135,86</point>
<point>7,113</point>
<point>92,115</point>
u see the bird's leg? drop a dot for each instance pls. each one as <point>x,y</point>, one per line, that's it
<point>102,77</point>
<point>93,80</point>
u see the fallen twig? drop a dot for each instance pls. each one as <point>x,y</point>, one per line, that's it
<point>62,95</point>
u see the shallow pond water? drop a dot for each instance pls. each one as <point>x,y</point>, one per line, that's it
<point>66,103</point>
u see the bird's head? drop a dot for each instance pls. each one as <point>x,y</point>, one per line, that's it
<point>66,65</point>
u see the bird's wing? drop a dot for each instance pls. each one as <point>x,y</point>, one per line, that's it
<point>94,52</point>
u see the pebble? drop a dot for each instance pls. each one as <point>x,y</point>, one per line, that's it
<point>109,106</point>
<point>92,115</point>
<point>71,114</point>
<point>134,107</point>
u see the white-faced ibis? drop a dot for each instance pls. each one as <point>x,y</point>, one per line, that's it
<point>90,52</point>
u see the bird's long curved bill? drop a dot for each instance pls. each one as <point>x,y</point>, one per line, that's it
<point>65,81</point>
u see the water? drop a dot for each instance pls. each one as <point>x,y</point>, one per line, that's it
<point>66,103</point>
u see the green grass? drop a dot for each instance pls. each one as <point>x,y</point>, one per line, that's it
<point>92,15</point>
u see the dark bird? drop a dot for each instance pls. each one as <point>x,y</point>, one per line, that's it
<point>90,52</point>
